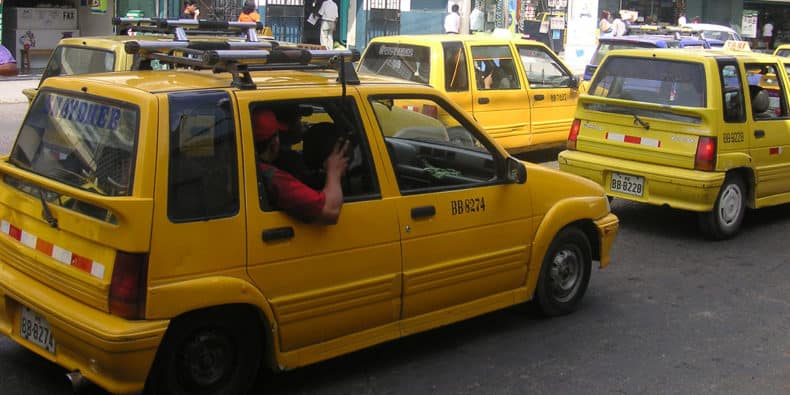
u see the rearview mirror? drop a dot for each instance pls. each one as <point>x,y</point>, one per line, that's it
<point>516,171</point>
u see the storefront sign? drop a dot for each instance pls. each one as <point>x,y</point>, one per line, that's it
<point>749,24</point>
<point>98,6</point>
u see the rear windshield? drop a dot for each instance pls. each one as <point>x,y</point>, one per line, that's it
<point>79,60</point>
<point>404,61</point>
<point>656,81</point>
<point>783,52</point>
<point>79,141</point>
<point>604,48</point>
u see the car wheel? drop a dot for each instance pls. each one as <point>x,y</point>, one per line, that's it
<point>212,352</point>
<point>725,219</point>
<point>565,273</point>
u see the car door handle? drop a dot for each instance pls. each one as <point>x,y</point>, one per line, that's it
<point>539,97</point>
<point>759,133</point>
<point>283,233</point>
<point>422,212</point>
<point>483,100</point>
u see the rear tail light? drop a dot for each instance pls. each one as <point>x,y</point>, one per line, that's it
<point>129,285</point>
<point>706,154</point>
<point>430,111</point>
<point>573,134</point>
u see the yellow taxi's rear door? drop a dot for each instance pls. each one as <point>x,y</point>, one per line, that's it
<point>769,135</point>
<point>74,196</point>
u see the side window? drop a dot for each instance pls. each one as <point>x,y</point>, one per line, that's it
<point>203,172</point>
<point>543,69</point>
<point>431,147</point>
<point>766,92</point>
<point>312,128</point>
<point>494,67</point>
<point>732,93</point>
<point>455,73</point>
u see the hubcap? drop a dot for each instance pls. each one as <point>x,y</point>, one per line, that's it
<point>207,358</point>
<point>565,273</point>
<point>730,205</point>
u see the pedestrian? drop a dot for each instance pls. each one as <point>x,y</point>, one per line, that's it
<point>191,10</point>
<point>328,13</point>
<point>249,13</point>
<point>477,19</point>
<point>681,18</point>
<point>7,63</point>
<point>618,27</point>
<point>452,22</point>
<point>604,26</point>
<point>768,34</point>
<point>696,20</point>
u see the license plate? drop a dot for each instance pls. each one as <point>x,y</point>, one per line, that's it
<point>628,184</point>
<point>34,328</point>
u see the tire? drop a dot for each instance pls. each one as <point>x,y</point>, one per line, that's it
<point>565,273</point>
<point>216,351</point>
<point>724,221</point>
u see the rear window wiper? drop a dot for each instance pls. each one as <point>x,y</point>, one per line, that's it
<point>51,220</point>
<point>640,122</point>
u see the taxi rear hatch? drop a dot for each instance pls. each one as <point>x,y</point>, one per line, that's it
<point>68,217</point>
<point>647,110</point>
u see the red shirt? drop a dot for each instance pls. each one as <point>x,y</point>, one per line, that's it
<point>286,192</point>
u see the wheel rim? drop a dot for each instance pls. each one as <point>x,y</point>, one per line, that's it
<point>565,273</point>
<point>730,205</point>
<point>206,359</point>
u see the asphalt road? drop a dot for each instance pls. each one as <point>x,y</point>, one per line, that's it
<point>673,314</point>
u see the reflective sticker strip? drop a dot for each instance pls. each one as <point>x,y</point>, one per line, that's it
<point>59,254</point>
<point>622,138</point>
<point>775,151</point>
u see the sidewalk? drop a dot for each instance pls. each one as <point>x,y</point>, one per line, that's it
<point>11,88</point>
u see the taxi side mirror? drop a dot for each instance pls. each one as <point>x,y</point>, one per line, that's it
<point>516,171</point>
<point>574,82</point>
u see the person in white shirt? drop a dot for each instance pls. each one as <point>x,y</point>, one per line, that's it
<point>682,19</point>
<point>328,13</point>
<point>452,22</point>
<point>618,27</point>
<point>768,34</point>
<point>476,19</point>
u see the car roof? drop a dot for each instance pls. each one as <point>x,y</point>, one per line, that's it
<point>708,26</point>
<point>681,54</point>
<point>441,38</point>
<point>157,81</point>
<point>651,39</point>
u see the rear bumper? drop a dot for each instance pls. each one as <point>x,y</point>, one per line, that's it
<point>112,352</point>
<point>607,230</point>
<point>684,189</point>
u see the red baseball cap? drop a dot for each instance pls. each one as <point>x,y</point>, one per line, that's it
<point>265,125</point>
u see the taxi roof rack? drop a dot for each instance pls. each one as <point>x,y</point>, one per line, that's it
<point>180,28</point>
<point>241,58</point>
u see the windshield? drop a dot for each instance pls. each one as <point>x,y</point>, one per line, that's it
<point>79,60</point>
<point>719,35</point>
<point>403,61</point>
<point>80,141</point>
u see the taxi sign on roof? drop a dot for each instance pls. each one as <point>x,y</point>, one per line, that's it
<point>741,46</point>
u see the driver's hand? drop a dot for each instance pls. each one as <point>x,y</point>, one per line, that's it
<point>337,162</point>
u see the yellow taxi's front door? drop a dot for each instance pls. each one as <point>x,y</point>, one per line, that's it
<point>549,93</point>
<point>498,96</point>
<point>465,232</point>
<point>323,282</point>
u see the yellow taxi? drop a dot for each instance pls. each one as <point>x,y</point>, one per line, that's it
<point>141,248</point>
<point>704,131</point>
<point>517,89</point>
<point>782,50</point>
<point>99,54</point>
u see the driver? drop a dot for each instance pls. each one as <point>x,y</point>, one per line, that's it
<point>285,191</point>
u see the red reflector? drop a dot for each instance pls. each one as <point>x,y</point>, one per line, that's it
<point>706,154</point>
<point>430,111</point>
<point>573,134</point>
<point>129,285</point>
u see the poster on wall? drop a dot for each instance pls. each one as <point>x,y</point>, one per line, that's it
<point>749,24</point>
<point>98,6</point>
